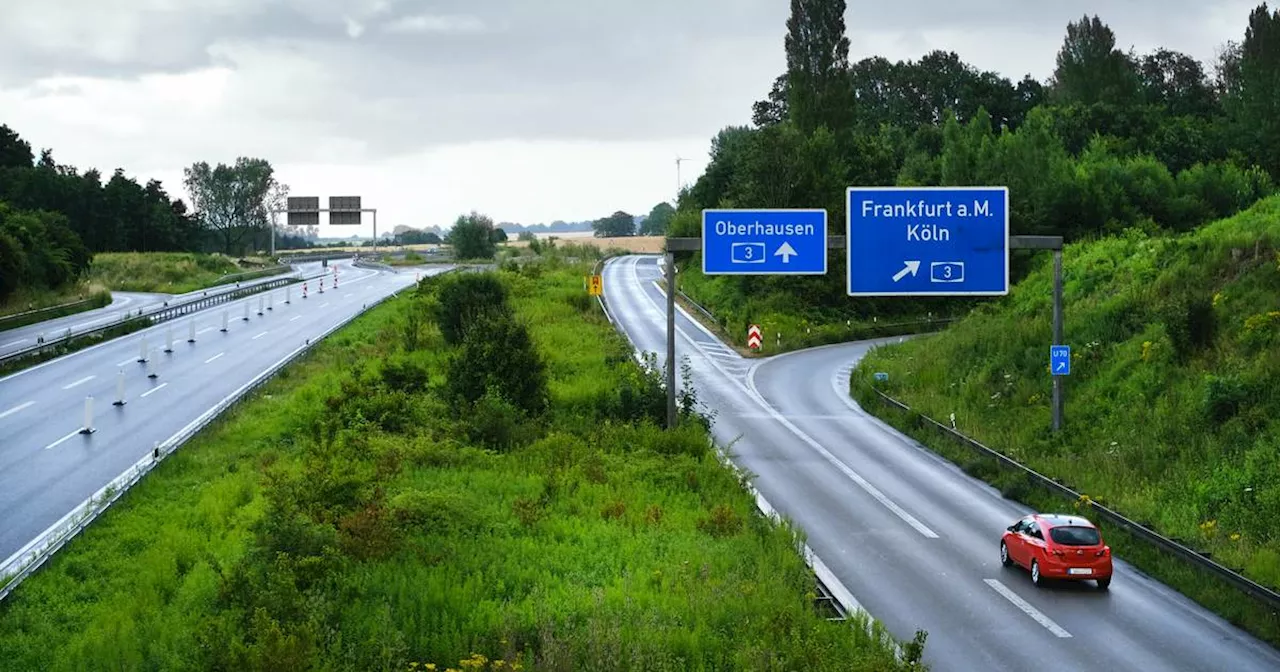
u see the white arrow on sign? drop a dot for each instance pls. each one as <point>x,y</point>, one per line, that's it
<point>911,267</point>
<point>1062,366</point>
<point>786,252</point>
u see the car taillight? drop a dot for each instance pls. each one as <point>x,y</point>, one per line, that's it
<point>1103,552</point>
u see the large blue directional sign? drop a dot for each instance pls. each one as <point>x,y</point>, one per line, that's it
<point>1060,360</point>
<point>928,241</point>
<point>764,242</point>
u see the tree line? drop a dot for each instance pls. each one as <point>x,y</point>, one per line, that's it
<point>1112,140</point>
<point>53,217</point>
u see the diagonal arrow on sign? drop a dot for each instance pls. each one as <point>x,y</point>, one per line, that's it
<point>911,267</point>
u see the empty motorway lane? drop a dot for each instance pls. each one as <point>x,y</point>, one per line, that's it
<point>913,538</point>
<point>47,467</point>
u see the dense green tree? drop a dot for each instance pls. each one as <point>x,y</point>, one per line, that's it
<point>1090,69</point>
<point>658,220</point>
<point>472,237</point>
<point>618,224</point>
<point>817,65</point>
<point>1253,76</point>
<point>233,201</point>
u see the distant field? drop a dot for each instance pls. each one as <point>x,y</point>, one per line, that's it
<point>650,244</point>
<point>353,248</point>
<point>167,272</point>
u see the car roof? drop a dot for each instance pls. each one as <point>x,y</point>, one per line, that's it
<point>1062,520</point>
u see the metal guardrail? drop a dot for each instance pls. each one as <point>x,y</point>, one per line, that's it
<point>261,272</point>
<point>1261,593</point>
<point>378,266</point>
<point>161,314</point>
<point>29,558</point>
<point>38,311</point>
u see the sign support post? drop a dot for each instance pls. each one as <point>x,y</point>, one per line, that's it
<point>672,416</point>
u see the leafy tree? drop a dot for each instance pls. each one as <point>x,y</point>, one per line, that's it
<point>1090,69</point>
<point>498,355</point>
<point>772,110</point>
<point>499,236</point>
<point>472,237</point>
<point>817,65</point>
<point>232,201</point>
<point>1177,82</point>
<point>14,151</point>
<point>616,225</point>
<point>1254,84</point>
<point>658,220</point>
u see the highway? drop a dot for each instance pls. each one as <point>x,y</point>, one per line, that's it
<point>47,467</point>
<point>13,340</point>
<point>909,535</point>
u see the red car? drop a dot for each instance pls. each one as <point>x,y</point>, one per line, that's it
<point>1056,546</point>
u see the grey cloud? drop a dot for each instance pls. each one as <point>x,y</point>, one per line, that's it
<point>400,76</point>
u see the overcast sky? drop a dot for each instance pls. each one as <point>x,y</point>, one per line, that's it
<point>527,110</point>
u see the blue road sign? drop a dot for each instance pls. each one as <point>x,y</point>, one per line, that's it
<point>1060,360</point>
<point>927,241</point>
<point>764,242</point>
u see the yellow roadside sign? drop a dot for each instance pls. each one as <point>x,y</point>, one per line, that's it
<point>596,285</point>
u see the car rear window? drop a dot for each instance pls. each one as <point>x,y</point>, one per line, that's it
<point>1075,536</point>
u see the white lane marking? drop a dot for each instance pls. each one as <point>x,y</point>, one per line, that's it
<point>214,357</point>
<point>347,296</point>
<point>79,382</point>
<point>15,409</point>
<point>258,336</point>
<point>1026,608</point>
<point>157,388</point>
<point>324,305</point>
<point>20,340</point>
<point>59,442</point>
<point>131,360</point>
<point>295,317</point>
<point>753,394</point>
<point>204,330</point>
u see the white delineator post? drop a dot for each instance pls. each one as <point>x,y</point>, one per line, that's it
<point>224,319</point>
<point>142,350</point>
<point>246,311</point>
<point>88,416</point>
<point>151,369</point>
<point>191,331</point>
<point>168,347</point>
<point>120,389</point>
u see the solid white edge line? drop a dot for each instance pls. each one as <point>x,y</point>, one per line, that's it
<point>157,388</point>
<point>755,395</point>
<point>1036,615</point>
<point>15,409</point>
<point>59,442</point>
<point>20,340</point>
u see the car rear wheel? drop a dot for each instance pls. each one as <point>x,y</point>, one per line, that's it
<point>1004,555</point>
<point>1035,573</point>
<point>1104,583</point>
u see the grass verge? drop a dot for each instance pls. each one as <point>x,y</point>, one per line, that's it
<point>69,301</point>
<point>169,272</point>
<point>399,497</point>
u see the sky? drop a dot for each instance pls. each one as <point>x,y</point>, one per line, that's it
<point>525,110</point>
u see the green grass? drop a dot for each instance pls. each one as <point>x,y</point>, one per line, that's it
<point>341,522</point>
<point>168,272</point>
<point>25,300</point>
<point>1172,402</point>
